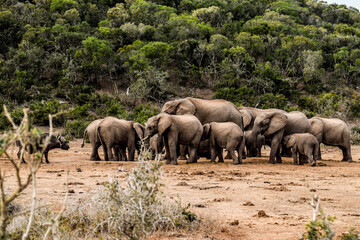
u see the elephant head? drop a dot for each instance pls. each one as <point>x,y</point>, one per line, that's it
<point>266,124</point>
<point>157,124</point>
<point>289,141</point>
<point>179,107</point>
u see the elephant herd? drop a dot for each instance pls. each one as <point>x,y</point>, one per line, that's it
<point>197,127</point>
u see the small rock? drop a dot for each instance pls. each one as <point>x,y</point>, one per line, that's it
<point>71,191</point>
<point>78,170</point>
<point>235,223</point>
<point>182,184</point>
<point>199,205</point>
<point>261,214</point>
<point>59,174</point>
<point>312,190</point>
<point>248,204</point>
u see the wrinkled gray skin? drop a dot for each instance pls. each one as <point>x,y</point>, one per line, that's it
<point>176,129</point>
<point>225,135</point>
<point>119,134</point>
<point>249,116</point>
<point>332,132</point>
<point>275,125</point>
<point>94,140</point>
<point>305,144</point>
<point>54,142</point>
<point>156,147</point>
<point>260,142</point>
<point>206,111</point>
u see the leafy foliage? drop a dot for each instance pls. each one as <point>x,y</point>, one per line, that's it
<point>288,51</point>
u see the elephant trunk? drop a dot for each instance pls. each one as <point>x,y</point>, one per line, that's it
<point>252,143</point>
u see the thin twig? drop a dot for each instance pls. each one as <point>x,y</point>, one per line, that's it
<point>56,219</point>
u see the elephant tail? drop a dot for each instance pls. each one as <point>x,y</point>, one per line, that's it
<point>84,135</point>
<point>98,135</point>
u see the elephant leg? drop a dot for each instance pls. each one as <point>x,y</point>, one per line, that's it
<point>319,153</point>
<point>106,157</point>
<point>275,147</point>
<point>182,150</point>
<point>346,154</point>
<point>131,151</point>
<point>312,160</point>
<point>294,154</point>
<point>219,153</point>
<point>109,153</point>
<point>172,148</point>
<point>117,153</point>
<point>192,155</point>
<point>94,153</point>
<point>123,153</point>
<point>241,150</point>
<point>167,151</point>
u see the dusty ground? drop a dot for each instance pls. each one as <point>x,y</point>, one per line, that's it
<point>229,197</point>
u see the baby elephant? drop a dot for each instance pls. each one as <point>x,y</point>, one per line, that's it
<point>225,135</point>
<point>260,142</point>
<point>306,144</point>
<point>54,142</point>
<point>156,146</point>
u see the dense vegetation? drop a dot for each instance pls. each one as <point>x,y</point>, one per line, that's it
<point>89,59</point>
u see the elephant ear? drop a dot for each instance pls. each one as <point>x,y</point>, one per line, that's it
<point>316,127</point>
<point>246,117</point>
<point>290,141</point>
<point>277,122</point>
<point>139,129</point>
<point>206,132</point>
<point>185,107</point>
<point>171,107</point>
<point>163,124</point>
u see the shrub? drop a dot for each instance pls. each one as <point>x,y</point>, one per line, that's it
<point>355,135</point>
<point>241,96</point>
<point>41,110</point>
<point>75,129</point>
<point>142,113</point>
<point>270,100</point>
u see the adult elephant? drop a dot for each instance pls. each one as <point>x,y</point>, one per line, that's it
<point>275,125</point>
<point>119,134</point>
<point>249,115</point>
<point>184,129</point>
<point>332,132</point>
<point>91,131</point>
<point>206,111</point>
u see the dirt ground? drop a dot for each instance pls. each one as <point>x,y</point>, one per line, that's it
<point>229,198</point>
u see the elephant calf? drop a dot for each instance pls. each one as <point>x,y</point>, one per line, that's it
<point>260,141</point>
<point>305,144</point>
<point>226,135</point>
<point>54,142</point>
<point>176,129</point>
<point>119,134</point>
<point>156,146</point>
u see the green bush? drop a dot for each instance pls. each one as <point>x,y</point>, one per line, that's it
<point>142,113</point>
<point>39,112</point>
<point>355,135</point>
<point>241,96</point>
<point>269,100</point>
<point>75,129</point>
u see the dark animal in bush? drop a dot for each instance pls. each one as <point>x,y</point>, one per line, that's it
<point>54,142</point>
